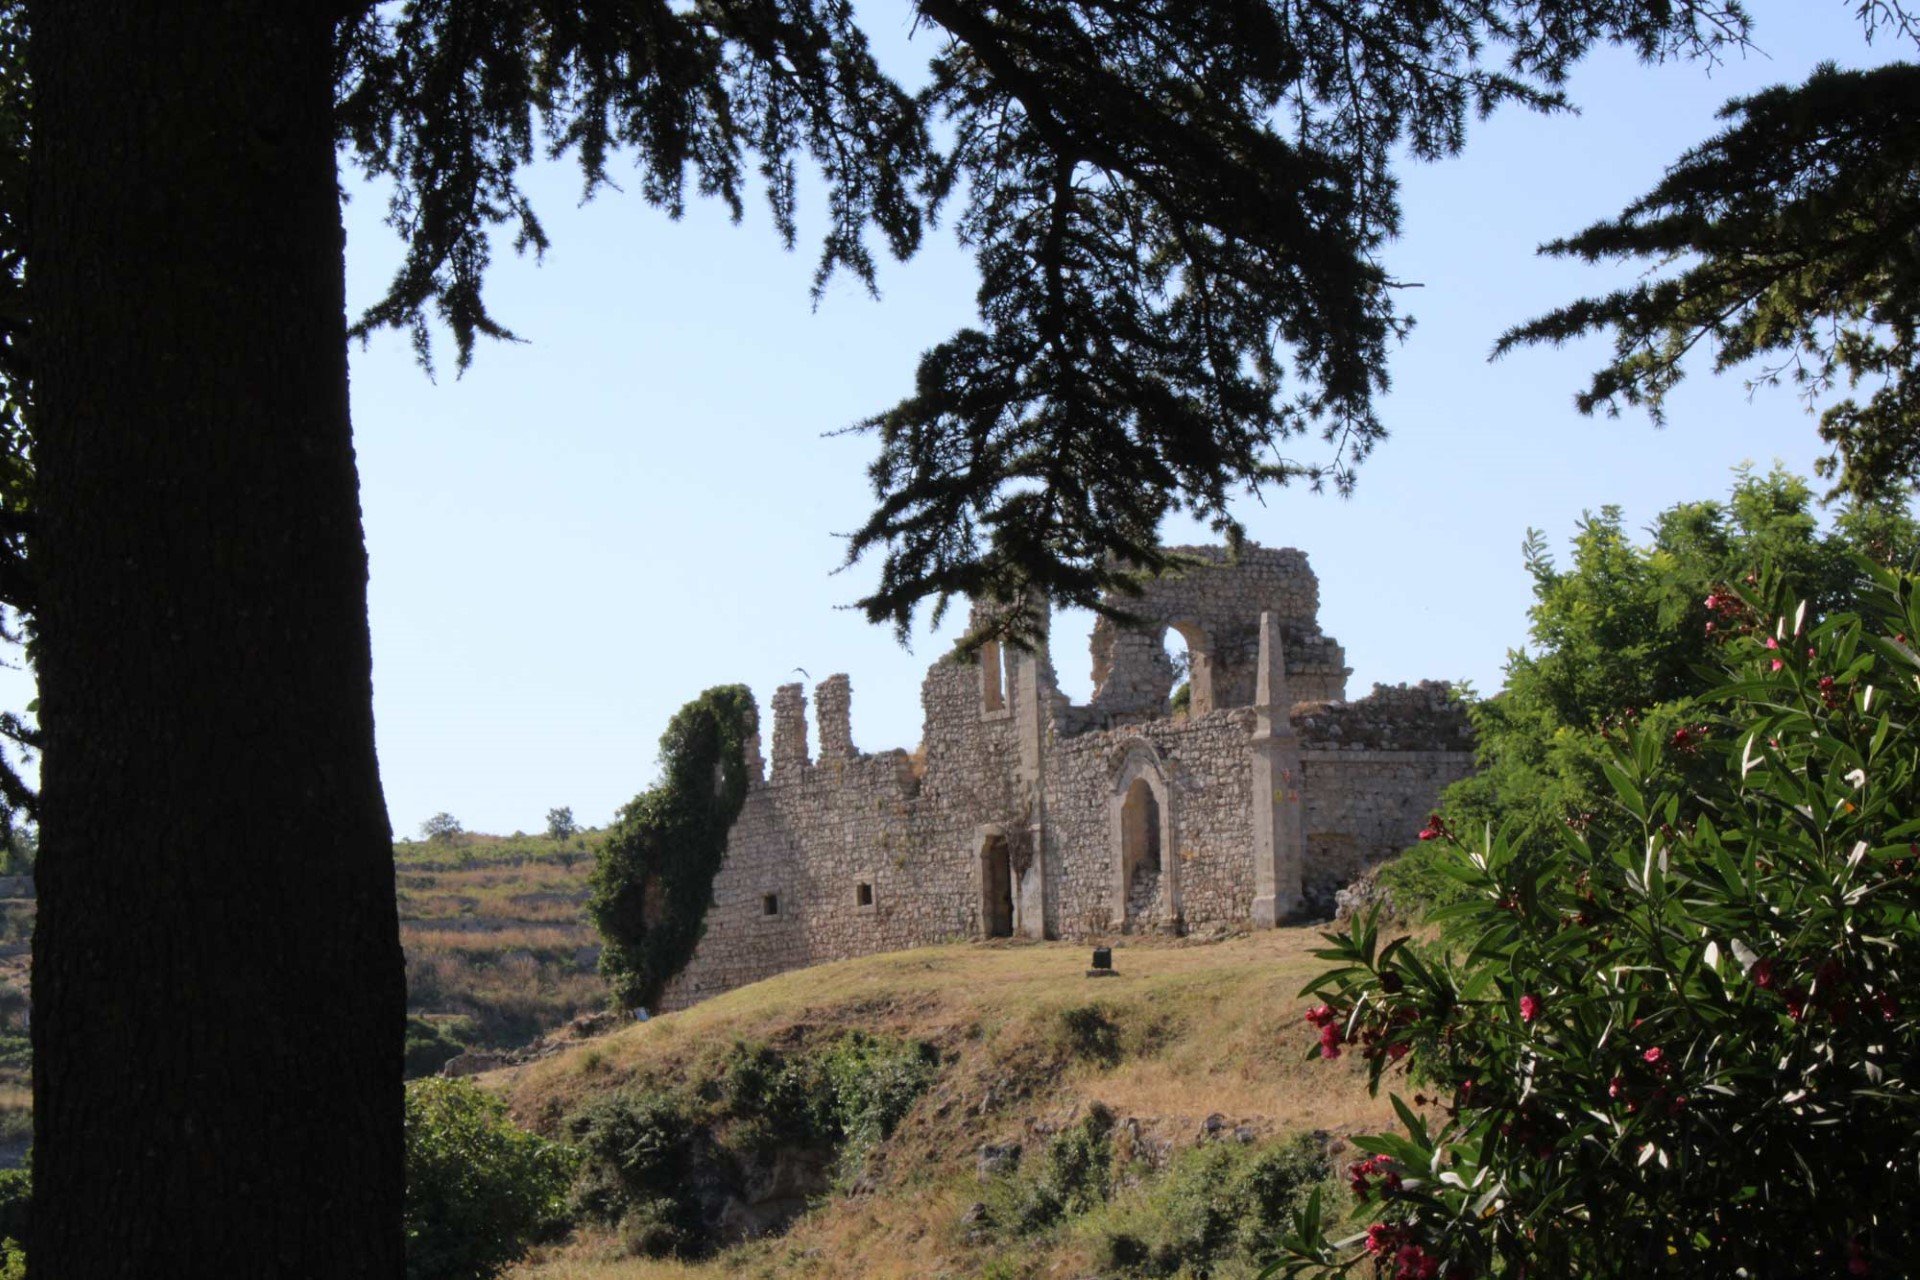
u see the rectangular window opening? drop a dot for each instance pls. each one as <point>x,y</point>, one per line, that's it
<point>863,895</point>
<point>770,904</point>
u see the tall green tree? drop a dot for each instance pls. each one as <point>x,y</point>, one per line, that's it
<point>1626,639</point>
<point>1789,244</point>
<point>1178,212</point>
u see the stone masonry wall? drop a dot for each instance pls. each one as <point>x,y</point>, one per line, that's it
<point>1373,769</point>
<point>1205,765</point>
<point>1363,807</point>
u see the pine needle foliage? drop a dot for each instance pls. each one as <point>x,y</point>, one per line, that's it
<point>1788,243</point>
<point>653,880</point>
<point>1177,210</point>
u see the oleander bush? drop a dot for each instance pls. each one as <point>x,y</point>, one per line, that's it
<point>1681,1042</point>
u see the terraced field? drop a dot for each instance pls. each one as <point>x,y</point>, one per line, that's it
<point>499,948</point>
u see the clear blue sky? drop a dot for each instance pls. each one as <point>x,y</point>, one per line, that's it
<point>640,501</point>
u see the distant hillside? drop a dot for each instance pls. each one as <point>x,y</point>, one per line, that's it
<point>1041,1122</point>
<point>499,947</point>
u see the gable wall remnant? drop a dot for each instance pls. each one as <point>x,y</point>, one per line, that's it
<point>1021,815</point>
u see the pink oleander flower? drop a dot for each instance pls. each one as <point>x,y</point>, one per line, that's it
<point>1529,1008</point>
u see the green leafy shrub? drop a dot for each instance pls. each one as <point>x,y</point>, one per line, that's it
<point>1623,640</point>
<point>636,1150</point>
<point>653,879</point>
<point>1075,1176</point>
<point>430,1045</point>
<point>1220,1207</point>
<point>479,1189</point>
<point>1689,1049</point>
<point>16,1207</point>
<point>656,1164</point>
<point>1091,1034</point>
<point>872,1081</point>
<point>848,1094</point>
<point>661,1228</point>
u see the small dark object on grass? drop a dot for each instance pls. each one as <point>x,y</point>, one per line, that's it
<point>1103,957</point>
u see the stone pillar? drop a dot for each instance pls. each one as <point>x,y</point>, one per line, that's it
<point>832,699</point>
<point>789,729</point>
<point>1029,674</point>
<point>1278,843</point>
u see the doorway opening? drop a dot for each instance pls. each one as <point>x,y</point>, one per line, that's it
<point>996,885</point>
<point>1140,851</point>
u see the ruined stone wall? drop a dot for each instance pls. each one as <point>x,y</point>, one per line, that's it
<point>1417,717</point>
<point>1205,766</point>
<point>865,853</point>
<point>1363,807</point>
<point>1218,614</point>
<point>813,832</point>
<point>1373,771</point>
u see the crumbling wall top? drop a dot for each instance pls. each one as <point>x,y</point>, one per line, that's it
<point>1418,717</point>
<point>1214,601</point>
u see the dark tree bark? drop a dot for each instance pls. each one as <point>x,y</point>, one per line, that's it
<point>218,984</point>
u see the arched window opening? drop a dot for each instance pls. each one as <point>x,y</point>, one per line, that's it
<point>1190,654</point>
<point>1179,663</point>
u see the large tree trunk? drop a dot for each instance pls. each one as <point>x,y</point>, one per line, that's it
<point>218,985</point>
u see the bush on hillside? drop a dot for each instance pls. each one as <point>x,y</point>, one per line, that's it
<point>479,1189</point>
<point>1220,1207</point>
<point>16,1205</point>
<point>429,1046</point>
<point>1074,1176</point>
<point>1684,1042</point>
<point>659,1166</point>
<point>636,1151</point>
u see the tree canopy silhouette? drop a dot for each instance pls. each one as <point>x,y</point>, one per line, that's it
<point>1177,211</point>
<point>1789,242</point>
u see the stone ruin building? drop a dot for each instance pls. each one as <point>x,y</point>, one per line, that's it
<point>1025,815</point>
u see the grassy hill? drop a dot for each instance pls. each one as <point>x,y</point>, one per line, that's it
<point>1184,1079</point>
<point>499,947</point>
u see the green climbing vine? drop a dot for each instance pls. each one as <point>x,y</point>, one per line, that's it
<point>653,881</point>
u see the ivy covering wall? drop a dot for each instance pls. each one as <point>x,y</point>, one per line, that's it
<point>653,881</point>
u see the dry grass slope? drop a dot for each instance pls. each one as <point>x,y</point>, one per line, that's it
<point>1193,1031</point>
<point>496,933</point>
